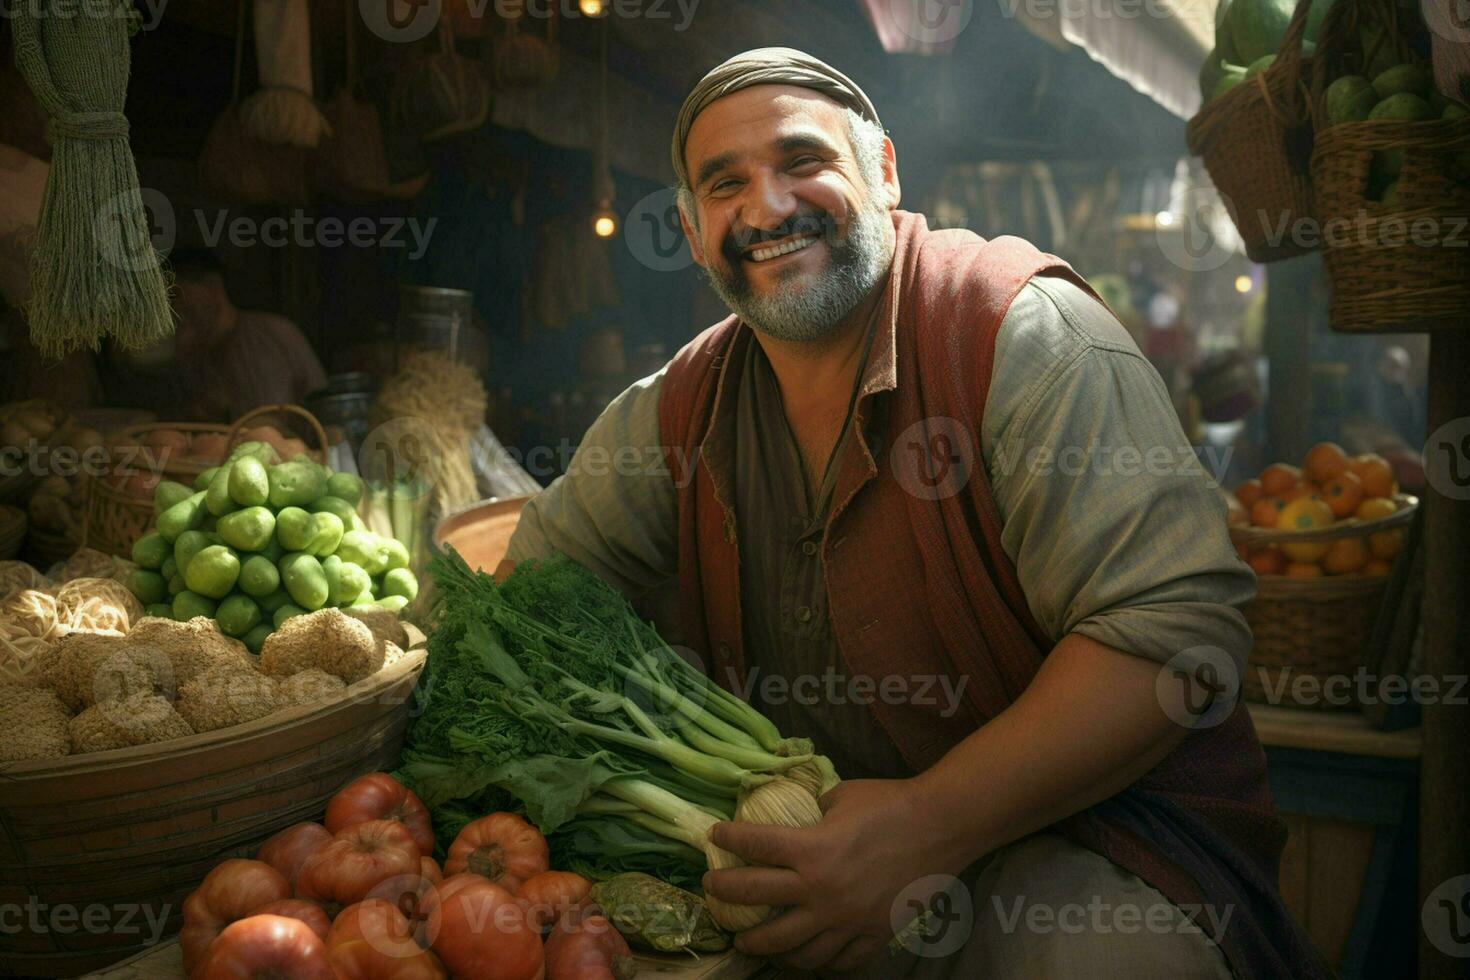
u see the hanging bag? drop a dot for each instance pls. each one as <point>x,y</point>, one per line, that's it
<point>235,167</point>
<point>1255,140</point>
<point>1393,195</point>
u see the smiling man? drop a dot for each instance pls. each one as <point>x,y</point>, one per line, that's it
<point>927,482</point>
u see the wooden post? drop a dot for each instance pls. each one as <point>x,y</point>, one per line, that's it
<point>1444,808</point>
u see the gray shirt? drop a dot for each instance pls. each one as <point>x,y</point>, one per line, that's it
<point>1115,530</point>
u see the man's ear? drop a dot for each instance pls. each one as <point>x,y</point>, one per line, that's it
<point>694,246</point>
<point>890,174</point>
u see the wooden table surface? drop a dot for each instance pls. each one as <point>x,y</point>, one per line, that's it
<point>165,962</point>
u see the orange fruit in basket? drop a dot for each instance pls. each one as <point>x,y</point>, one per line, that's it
<point>1278,478</point>
<point>1304,514</point>
<point>1303,489</point>
<point>1324,461</point>
<point>1343,493</point>
<point>1345,556</point>
<point>1267,511</point>
<point>1267,561</point>
<point>1373,508</point>
<point>1249,492</point>
<point>1376,474</point>
<point>1377,567</point>
<point>1386,544</point>
<point>1235,512</point>
<point>1303,569</point>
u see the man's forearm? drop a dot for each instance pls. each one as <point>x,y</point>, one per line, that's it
<point>1089,725</point>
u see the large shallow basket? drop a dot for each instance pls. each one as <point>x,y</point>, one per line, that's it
<point>1317,628</point>
<point>133,831</point>
<point>1255,141</point>
<point>116,518</point>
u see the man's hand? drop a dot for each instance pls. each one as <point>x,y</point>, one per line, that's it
<point>837,881</point>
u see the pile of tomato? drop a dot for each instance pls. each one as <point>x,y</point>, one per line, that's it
<point>360,897</point>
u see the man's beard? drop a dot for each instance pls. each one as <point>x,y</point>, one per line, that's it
<point>809,310</point>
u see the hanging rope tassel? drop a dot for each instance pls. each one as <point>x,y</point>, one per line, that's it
<point>94,270</point>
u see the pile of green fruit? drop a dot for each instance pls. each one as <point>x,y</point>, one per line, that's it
<point>1399,93</point>
<point>256,541</point>
<point>1248,35</point>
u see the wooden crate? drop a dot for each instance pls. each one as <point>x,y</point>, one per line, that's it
<point>133,831</point>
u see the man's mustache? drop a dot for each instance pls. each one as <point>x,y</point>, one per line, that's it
<point>738,240</point>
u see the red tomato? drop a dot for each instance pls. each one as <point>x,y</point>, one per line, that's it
<point>299,908</point>
<point>233,890</point>
<point>481,933</point>
<point>372,919</point>
<point>288,850</point>
<point>449,886</point>
<point>378,796</point>
<point>362,960</point>
<point>429,868</point>
<point>551,894</point>
<point>502,847</point>
<point>264,947</point>
<point>345,869</point>
<point>588,949</point>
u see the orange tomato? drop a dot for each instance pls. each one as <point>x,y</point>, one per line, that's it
<point>1267,561</point>
<point>1377,568</point>
<point>1303,569</point>
<point>1372,508</point>
<point>1386,544</point>
<point>1324,461</point>
<point>1345,556</point>
<point>1278,478</point>
<point>1376,474</point>
<point>1267,511</point>
<point>1249,492</point>
<point>1306,488</point>
<point>1303,514</point>
<point>1343,493</point>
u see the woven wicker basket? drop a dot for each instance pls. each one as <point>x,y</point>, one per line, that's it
<point>1256,144</point>
<point>116,518</point>
<point>1315,628</point>
<point>1404,265</point>
<point>46,548</point>
<point>134,830</point>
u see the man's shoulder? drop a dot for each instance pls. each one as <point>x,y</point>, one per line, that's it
<point>1053,321</point>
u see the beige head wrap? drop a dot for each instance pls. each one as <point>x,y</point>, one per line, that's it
<point>765,66</point>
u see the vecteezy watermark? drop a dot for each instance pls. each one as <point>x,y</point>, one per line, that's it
<point>654,235</point>
<point>928,22</point>
<point>160,221</point>
<point>941,691</point>
<point>35,917</point>
<point>933,916</point>
<point>38,459</point>
<point>1445,917</point>
<point>1101,459</point>
<point>933,458</point>
<point>1198,687</point>
<point>1363,229</point>
<point>1447,459</point>
<point>1361,688</point>
<point>1095,10</point>
<point>405,21</point>
<point>1099,916</point>
<point>1195,239</point>
<point>148,12</point>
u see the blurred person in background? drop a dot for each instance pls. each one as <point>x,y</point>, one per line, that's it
<point>233,360</point>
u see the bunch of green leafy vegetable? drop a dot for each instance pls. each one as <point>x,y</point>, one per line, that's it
<point>549,690</point>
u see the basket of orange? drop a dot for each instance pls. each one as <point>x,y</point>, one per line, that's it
<point>1322,538</point>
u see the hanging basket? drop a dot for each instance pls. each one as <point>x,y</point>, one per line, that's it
<point>1256,141</point>
<point>1401,263</point>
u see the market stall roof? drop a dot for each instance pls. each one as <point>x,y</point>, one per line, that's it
<point>1156,46</point>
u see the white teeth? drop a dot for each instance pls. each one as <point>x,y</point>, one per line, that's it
<point>763,254</point>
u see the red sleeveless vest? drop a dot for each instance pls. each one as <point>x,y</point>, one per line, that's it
<point>917,580</point>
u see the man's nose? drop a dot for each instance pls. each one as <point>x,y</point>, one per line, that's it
<point>769,203</point>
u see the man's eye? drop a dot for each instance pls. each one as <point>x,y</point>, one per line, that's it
<point>721,186</point>
<point>805,162</point>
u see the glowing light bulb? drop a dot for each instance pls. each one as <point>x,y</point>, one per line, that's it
<point>1164,219</point>
<point>605,223</point>
<point>592,8</point>
<point>1243,284</point>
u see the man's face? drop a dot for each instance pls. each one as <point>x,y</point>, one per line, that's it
<point>788,230</point>
<point>199,301</point>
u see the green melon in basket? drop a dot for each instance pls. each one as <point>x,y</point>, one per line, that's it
<point>1256,27</point>
<point>1259,65</point>
<point>1413,79</point>
<point>1350,99</point>
<point>1230,76</point>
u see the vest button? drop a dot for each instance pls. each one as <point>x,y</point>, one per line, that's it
<point>804,614</point>
<point>808,548</point>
